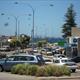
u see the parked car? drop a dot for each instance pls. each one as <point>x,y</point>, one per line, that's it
<point>59,56</point>
<point>47,51</point>
<point>7,63</point>
<point>48,61</point>
<point>76,59</point>
<point>67,62</point>
<point>5,48</point>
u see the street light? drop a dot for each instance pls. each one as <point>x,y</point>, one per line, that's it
<point>16,19</point>
<point>32,31</point>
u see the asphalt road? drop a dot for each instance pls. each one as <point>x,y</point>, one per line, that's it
<point>9,76</point>
<point>77,73</point>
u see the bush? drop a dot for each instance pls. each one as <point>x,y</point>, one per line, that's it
<point>32,69</point>
<point>66,71</point>
<point>49,70</point>
<point>41,71</point>
<point>57,71</point>
<point>19,69</point>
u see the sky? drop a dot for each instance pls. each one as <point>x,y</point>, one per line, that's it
<point>48,19</point>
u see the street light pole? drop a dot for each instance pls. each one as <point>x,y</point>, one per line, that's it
<point>16,33</point>
<point>32,31</point>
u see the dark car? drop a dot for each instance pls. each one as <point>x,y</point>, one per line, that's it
<point>76,59</point>
<point>9,62</point>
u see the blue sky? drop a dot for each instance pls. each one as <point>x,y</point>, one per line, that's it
<point>48,19</point>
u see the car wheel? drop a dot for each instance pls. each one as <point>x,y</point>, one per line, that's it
<point>1,69</point>
<point>73,70</point>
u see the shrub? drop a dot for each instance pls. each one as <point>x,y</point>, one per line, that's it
<point>32,69</point>
<point>66,71</point>
<point>19,69</point>
<point>49,70</point>
<point>26,68</point>
<point>57,71</point>
<point>13,70</point>
<point>41,71</point>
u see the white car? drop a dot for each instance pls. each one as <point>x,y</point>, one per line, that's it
<point>46,52</point>
<point>65,61</point>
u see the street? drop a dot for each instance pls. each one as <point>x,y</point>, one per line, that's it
<point>9,76</point>
<point>77,73</point>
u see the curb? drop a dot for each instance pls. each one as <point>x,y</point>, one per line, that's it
<point>59,78</point>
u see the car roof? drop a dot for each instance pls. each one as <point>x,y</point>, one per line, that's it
<point>24,55</point>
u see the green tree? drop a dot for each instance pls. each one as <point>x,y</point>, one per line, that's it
<point>42,43</point>
<point>24,40</point>
<point>69,22</point>
<point>14,43</point>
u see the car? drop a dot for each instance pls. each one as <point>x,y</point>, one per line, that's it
<point>48,61</point>
<point>76,59</point>
<point>47,51</point>
<point>7,63</point>
<point>67,62</point>
<point>59,56</point>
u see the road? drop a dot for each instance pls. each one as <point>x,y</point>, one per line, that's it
<point>77,73</point>
<point>9,76</point>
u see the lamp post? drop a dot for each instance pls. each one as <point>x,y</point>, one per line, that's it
<point>32,25</point>
<point>32,31</point>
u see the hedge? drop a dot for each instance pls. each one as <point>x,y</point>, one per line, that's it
<point>35,70</point>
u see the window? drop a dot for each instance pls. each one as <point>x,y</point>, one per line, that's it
<point>56,61</point>
<point>24,58</point>
<point>30,58</point>
<point>20,58</point>
<point>10,58</point>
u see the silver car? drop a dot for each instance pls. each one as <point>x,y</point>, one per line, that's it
<point>7,63</point>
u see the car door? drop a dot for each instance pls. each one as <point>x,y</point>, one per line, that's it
<point>9,62</point>
<point>13,60</point>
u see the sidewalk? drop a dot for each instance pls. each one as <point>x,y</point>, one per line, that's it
<point>59,78</point>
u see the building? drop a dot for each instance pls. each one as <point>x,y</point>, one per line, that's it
<point>73,43</point>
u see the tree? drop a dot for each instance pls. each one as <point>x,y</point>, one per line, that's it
<point>69,22</point>
<point>42,43</point>
<point>24,40</point>
<point>14,43</point>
